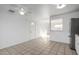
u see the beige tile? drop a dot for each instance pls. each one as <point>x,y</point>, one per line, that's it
<point>27,53</point>
<point>35,52</point>
<point>60,53</point>
<point>74,52</point>
<point>13,51</point>
<point>52,53</point>
<point>4,52</point>
<point>38,47</point>
<point>44,53</point>
<point>68,51</point>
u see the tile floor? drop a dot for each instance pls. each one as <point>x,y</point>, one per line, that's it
<point>38,47</point>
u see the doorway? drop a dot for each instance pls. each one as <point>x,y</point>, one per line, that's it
<point>32,30</point>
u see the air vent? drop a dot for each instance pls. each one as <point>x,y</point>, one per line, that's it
<point>12,11</point>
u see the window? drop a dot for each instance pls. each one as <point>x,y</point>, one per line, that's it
<point>57,24</point>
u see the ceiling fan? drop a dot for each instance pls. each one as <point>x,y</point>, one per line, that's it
<point>19,9</point>
<point>60,6</point>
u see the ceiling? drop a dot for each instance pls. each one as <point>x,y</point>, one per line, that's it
<point>68,8</point>
<point>40,9</point>
<point>51,8</point>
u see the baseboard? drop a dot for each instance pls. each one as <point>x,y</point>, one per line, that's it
<point>18,43</point>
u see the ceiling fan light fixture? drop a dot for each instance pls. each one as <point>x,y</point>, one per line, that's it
<point>60,6</point>
<point>21,11</point>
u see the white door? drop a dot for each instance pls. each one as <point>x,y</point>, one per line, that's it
<point>32,30</point>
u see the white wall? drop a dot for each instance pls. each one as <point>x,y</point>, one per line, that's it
<point>14,29</point>
<point>42,20</point>
<point>42,29</point>
<point>63,36</point>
